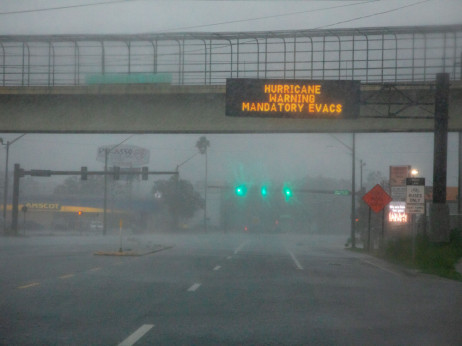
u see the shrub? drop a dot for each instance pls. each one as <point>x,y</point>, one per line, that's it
<point>434,258</point>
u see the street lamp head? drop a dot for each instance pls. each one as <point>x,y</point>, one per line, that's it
<point>414,172</point>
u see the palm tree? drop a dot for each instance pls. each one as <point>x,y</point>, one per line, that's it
<point>202,144</point>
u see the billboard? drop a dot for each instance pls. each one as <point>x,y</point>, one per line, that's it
<point>292,98</point>
<point>124,155</point>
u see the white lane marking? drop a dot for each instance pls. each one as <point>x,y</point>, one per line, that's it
<point>380,267</point>
<point>67,276</point>
<point>194,287</point>
<point>217,268</point>
<point>29,285</point>
<point>240,247</point>
<point>297,263</point>
<point>132,339</point>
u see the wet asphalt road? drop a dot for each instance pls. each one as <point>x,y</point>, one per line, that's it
<point>217,289</point>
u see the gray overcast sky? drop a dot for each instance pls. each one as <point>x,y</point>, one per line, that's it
<point>231,156</point>
<point>142,16</point>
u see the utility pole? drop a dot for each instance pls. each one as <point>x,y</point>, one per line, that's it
<point>459,188</point>
<point>353,193</point>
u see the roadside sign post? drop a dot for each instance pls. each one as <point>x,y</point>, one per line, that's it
<point>120,234</point>
<point>24,210</point>
<point>377,198</point>
<point>415,204</point>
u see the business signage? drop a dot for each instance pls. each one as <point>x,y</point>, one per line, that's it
<point>42,206</point>
<point>294,98</point>
<point>398,175</point>
<point>124,155</point>
<point>397,213</point>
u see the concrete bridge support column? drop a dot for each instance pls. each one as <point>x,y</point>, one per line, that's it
<point>439,212</point>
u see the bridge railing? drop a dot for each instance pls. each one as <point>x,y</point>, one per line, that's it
<point>372,55</point>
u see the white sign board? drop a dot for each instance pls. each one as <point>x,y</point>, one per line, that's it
<point>415,208</point>
<point>398,193</point>
<point>415,195</point>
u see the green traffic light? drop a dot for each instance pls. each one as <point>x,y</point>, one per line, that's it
<point>287,191</point>
<point>240,190</point>
<point>264,191</point>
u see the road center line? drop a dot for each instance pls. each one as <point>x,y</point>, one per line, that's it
<point>95,269</point>
<point>217,268</point>
<point>240,247</point>
<point>138,334</point>
<point>194,287</point>
<point>29,285</point>
<point>297,263</point>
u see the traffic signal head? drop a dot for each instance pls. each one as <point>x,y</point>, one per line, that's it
<point>144,173</point>
<point>287,192</point>
<point>264,191</point>
<point>116,173</point>
<point>83,173</point>
<point>240,190</point>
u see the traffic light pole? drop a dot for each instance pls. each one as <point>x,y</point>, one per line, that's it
<point>19,172</point>
<point>14,221</point>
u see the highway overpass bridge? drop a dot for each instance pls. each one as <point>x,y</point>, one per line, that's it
<point>175,83</point>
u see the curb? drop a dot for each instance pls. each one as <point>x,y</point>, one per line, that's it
<point>458,267</point>
<point>131,253</point>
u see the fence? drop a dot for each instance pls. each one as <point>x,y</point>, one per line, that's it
<point>372,55</point>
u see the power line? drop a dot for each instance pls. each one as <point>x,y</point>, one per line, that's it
<point>66,7</point>
<point>373,14</point>
<point>361,2</point>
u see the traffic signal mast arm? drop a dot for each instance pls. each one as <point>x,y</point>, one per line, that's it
<point>48,173</point>
<point>20,172</point>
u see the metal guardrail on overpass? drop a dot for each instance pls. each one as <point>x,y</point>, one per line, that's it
<point>372,55</point>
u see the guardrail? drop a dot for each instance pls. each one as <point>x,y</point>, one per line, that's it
<point>372,55</point>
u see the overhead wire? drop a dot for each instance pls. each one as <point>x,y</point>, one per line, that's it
<point>323,26</point>
<point>66,7</point>
<point>268,17</point>
<point>373,14</point>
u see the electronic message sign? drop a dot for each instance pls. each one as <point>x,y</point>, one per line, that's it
<point>294,98</point>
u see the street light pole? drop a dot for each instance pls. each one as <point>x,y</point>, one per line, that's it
<point>5,190</point>
<point>106,152</point>
<point>205,194</point>
<point>362,164</point>
<point>353,186</point>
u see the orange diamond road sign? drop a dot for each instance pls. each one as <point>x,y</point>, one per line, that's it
<point>377,198</point>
